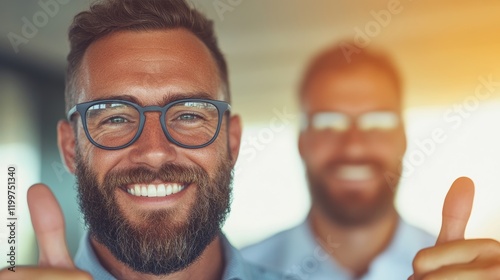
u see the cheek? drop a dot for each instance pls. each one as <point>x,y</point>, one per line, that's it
<point>317,154</point>
<point>208,158</point>
<point>390,152</point>
<point>100,161</point>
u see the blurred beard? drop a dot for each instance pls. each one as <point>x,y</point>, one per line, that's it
<point>351,208</point>
<point>157,245</point>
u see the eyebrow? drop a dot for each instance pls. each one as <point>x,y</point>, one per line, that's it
<point>165,100</point>
<point>190,95</point>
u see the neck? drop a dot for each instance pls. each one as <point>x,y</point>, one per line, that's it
<point>355,247</point>
<point>210,265</point>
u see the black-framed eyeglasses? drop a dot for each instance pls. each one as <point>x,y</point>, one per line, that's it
<point>116,124</point>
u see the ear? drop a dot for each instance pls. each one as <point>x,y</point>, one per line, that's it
<point>234,137</point>
<point>402,134</point>
<point>66,144</point>
<point>405,140</point>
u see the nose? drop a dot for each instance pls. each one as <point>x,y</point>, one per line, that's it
<point>354,144</point>
<point>152,148</point>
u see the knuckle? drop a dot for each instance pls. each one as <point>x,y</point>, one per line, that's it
<point>491,243</point>
<point>420,261</point>
<point>492,246</point>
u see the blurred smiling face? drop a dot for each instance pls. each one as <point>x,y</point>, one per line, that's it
<point>354,139</point>
<point>154,205</point>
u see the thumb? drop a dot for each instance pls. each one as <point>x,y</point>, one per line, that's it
<point>456,210</point>
<point>48,223</point>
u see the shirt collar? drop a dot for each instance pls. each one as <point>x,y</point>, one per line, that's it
<point>405,243</point>
<point>85,259</point>
<point>236,268</point>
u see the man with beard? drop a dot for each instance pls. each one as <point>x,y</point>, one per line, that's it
<point>152,143</point>
<point>352,143</point>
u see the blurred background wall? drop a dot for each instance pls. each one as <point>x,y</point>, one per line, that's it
<point>448,52</point>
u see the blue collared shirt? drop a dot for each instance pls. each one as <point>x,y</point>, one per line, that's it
<point>297,254</point>
<point>236,267</point>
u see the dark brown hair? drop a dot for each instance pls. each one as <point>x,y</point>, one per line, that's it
<point>346,56</point>
<point>108,16</point>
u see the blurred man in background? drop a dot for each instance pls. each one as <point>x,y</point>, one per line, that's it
<point>352,143</point>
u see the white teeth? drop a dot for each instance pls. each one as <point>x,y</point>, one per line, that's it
<point>355,172</point>
<point>161,190</point>
<point>152,190</point>
<point>169,189</point>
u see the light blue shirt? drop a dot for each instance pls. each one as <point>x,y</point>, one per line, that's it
<point>236,267</point>
<point>297,254</point>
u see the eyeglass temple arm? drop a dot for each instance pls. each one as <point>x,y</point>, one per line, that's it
<point>70,113</point>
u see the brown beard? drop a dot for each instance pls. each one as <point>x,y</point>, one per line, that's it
<point>158,246</point>
<point>349,210</point>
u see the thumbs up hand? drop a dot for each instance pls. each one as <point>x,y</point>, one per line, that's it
<point>456,210</point>
<point>453,257</point>
<point>55,262</point>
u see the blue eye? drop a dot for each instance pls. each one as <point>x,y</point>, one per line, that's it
<point>188,117</point>
<point>116,120</point>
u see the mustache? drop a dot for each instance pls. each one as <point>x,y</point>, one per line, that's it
<point>168,172</point>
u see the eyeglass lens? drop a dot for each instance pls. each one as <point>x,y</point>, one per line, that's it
<point>384,121</point>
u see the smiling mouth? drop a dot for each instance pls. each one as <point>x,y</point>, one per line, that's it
<point>355,172</point>
<point>155,190</point>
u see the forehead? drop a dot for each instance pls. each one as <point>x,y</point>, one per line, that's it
<point>353,91</point>
<point>148,65</point>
